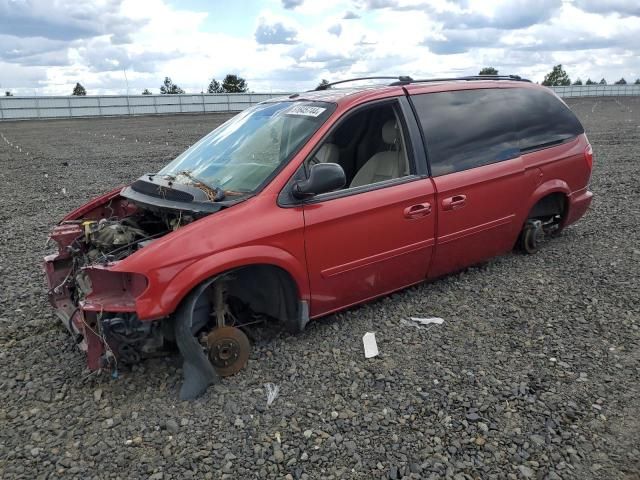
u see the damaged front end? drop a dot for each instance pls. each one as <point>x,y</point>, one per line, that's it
<point>94,301</point>
<point>96,298</point>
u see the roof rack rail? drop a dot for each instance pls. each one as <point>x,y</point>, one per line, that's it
<point>406,80</point>
<point>516,78</point>
<point>401,78</point>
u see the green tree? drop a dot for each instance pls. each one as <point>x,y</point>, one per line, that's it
<point>622,81</point>
<point>146,92</point>
<point>637,82</point>
<point>323,85</point>
<point>603,82</point>
<point>578,82</point>
<point>557,77</point>
<point>8,94</point>
<point>488,71</point>
<point>79,90</point>
<point>590,82</point>
<point>234,84</point>
<point>214,87</point>
<point>170,88</point>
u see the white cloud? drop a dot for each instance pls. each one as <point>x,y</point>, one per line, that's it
<point>335,29</point>
<point>620,7</point>
<point>505,15</point>
<point>298,43</point>
<point>275,33</point>
<point>64,19</point>
<point>291,4</point>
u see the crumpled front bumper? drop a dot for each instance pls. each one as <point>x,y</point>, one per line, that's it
<point>110,293</point>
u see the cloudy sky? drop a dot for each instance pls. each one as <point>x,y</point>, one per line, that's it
<point>285,45</point>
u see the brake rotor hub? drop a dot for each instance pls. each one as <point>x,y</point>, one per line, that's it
<point>228,349</point>
<point>533,236</point>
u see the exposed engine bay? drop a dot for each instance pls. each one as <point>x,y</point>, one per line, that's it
<point>103,237</point>
<point>107,240</point>
<point>96,302</point>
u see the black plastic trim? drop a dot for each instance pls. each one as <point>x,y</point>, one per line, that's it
<point>157,202</point>
<point>544,146</point>
<point>363,189</point>
<point>329,85</point>
<point>422,135</point>
<point>471,78</point>
<point>407,80</point>
<point>416,137</point>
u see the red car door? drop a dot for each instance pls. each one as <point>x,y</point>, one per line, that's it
<point>478,173</point>
<point>376,235</point>
<point>478,214</point>
<point>368,244</point>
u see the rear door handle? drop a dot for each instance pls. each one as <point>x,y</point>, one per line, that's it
<point>455,202</point>
<point>417,211</point>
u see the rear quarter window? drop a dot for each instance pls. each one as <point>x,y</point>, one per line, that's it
<point>541,118</point>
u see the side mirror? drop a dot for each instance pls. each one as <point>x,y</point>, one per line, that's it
<point>323,178</point>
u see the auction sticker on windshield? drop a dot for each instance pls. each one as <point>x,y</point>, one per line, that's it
<point>306,110</point>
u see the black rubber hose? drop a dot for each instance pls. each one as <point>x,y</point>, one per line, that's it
<point>198,373</point>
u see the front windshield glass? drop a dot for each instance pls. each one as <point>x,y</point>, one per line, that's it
<point>241,154</point>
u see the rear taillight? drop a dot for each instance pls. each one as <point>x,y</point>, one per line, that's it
<point>588,156</point>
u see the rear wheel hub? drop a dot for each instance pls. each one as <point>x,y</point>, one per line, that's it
<point>532,236</point>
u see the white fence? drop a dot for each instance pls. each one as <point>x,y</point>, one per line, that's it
<point>597,90</point>
<point>25,108</point>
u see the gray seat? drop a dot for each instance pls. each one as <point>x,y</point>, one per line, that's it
<point>327,153</point>
<point>384,165</point>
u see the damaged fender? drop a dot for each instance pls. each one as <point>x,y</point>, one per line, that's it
<point>182,282</point>
<point>198,372</point>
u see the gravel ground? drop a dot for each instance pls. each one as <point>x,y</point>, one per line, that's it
<point>534,373</point>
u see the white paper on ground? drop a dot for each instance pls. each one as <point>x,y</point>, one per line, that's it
<point>272,392</point>
<point>428,320</point>
<point>370,345</point>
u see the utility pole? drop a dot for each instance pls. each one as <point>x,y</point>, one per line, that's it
<point>126,81</point>
<point>124,70</point>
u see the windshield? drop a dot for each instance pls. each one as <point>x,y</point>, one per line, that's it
<point>241,154</point>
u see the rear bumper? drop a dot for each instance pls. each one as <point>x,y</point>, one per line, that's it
<point>579,203</point>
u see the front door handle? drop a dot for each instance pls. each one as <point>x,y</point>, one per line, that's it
<point>455,202</point>
<point>417,211</point>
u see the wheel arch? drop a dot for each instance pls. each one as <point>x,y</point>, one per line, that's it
<point>552,203</point>
<point>546,196</point>
<point>549,199</point>
<point>267,263</point>
<point>269,286</point>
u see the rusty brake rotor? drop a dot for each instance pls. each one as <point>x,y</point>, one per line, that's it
<point>228,350</point>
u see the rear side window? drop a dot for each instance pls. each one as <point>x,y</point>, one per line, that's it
<point>469,128</point>
<point>541,118</point>
<point>466,129</point>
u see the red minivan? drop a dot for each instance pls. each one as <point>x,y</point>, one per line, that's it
<point>308,204</point>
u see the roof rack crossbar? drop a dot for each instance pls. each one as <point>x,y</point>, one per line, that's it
<point>401,78</point>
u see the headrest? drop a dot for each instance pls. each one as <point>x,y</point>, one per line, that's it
<point>390,132</point>
<point>328,153</point>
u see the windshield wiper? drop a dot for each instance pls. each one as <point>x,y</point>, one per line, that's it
<point>215,194</point>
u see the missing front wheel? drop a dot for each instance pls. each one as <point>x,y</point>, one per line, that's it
<point>228,350</point>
